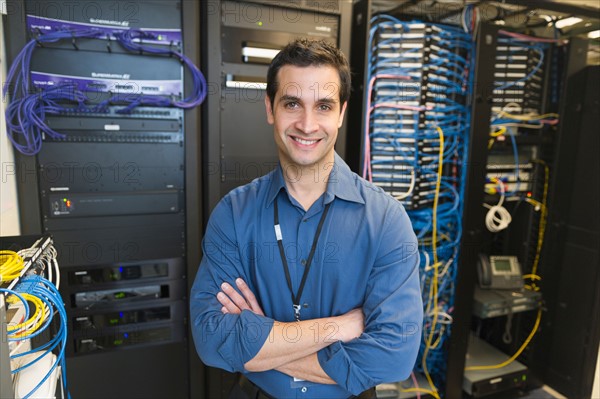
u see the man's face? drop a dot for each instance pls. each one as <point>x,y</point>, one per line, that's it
<point>306,114</point>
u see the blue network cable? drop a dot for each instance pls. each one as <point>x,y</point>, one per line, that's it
<point>434,61</point>
<point>49,295</point>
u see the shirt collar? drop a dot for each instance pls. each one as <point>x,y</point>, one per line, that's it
<point>277,183</point>
<point>341,183</point>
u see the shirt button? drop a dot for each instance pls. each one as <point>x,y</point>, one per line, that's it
<point>304,389</point>
<point>305,220</point>
<point>303,261</point>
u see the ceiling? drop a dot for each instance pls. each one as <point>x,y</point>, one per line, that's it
<point>538,17</point>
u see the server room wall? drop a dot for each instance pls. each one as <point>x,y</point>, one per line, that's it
<point>9,207</point>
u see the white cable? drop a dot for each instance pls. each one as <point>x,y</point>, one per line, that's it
<point>426,268</point>
<point>410,189</point>
<point>57,273</point>
<point>447,265</point>
<point>448,318</point>
<point>497,218</point>
<point>49,270</point>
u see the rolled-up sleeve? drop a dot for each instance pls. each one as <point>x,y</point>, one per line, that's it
<point>388,347</point>
<point>226,341</point>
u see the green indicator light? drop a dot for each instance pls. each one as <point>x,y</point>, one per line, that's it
<point>113,321</point>
<point>118,342</point>
<point>524,377</point>
<point>259,23</point>
<point>120,295</point>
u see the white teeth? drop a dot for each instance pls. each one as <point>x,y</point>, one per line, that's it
<point>305,142</point>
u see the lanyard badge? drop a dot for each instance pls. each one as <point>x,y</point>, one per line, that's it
<point>296,297</point>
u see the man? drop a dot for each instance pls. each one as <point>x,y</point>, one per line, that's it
<point>309,281</point>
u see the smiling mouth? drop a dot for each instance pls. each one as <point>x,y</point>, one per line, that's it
<point>304,142</point>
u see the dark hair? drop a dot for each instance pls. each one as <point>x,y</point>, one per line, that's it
<point>304,53</point>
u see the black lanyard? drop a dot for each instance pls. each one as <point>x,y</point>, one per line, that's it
<point>296,298</point>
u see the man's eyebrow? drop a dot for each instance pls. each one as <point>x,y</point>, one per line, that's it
<point>328,100</point>
<point>324,100</point>
<point>287,97</point>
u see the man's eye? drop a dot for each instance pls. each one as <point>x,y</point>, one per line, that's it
<point>291,105</point>
<point>324,107</point>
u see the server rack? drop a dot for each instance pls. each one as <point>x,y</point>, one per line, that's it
<point>475,238</point>
<point>121,194</point>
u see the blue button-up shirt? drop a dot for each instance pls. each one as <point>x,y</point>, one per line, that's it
<point>366,257</point>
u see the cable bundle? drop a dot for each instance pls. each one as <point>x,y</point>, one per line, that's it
<point>46,299</point>
<point>36,302</point>
<point>132,40</point>
<point>11,264</point>
<point>415,143</point>
<point>26,112</point>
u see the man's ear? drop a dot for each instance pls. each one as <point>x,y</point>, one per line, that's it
<point>342,112</point>
<point>269,109</point>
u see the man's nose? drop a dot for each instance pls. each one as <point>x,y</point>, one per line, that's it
<point>307,122</point>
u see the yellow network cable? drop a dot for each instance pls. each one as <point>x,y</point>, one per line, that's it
<point>494,135</point>
<point>433,292</point>
<point>543,215</point>
<point>498,132</point>
<point>542,206</point>
<point>516,355</point>
<point>31,325</point>
<point>439,337</point>
<point>533,286</point>
<point>11,265</point>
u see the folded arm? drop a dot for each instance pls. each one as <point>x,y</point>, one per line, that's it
<point>291,347</point>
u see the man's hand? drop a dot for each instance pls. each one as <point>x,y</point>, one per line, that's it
<point>352,325</point>
<point>234,303</point>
